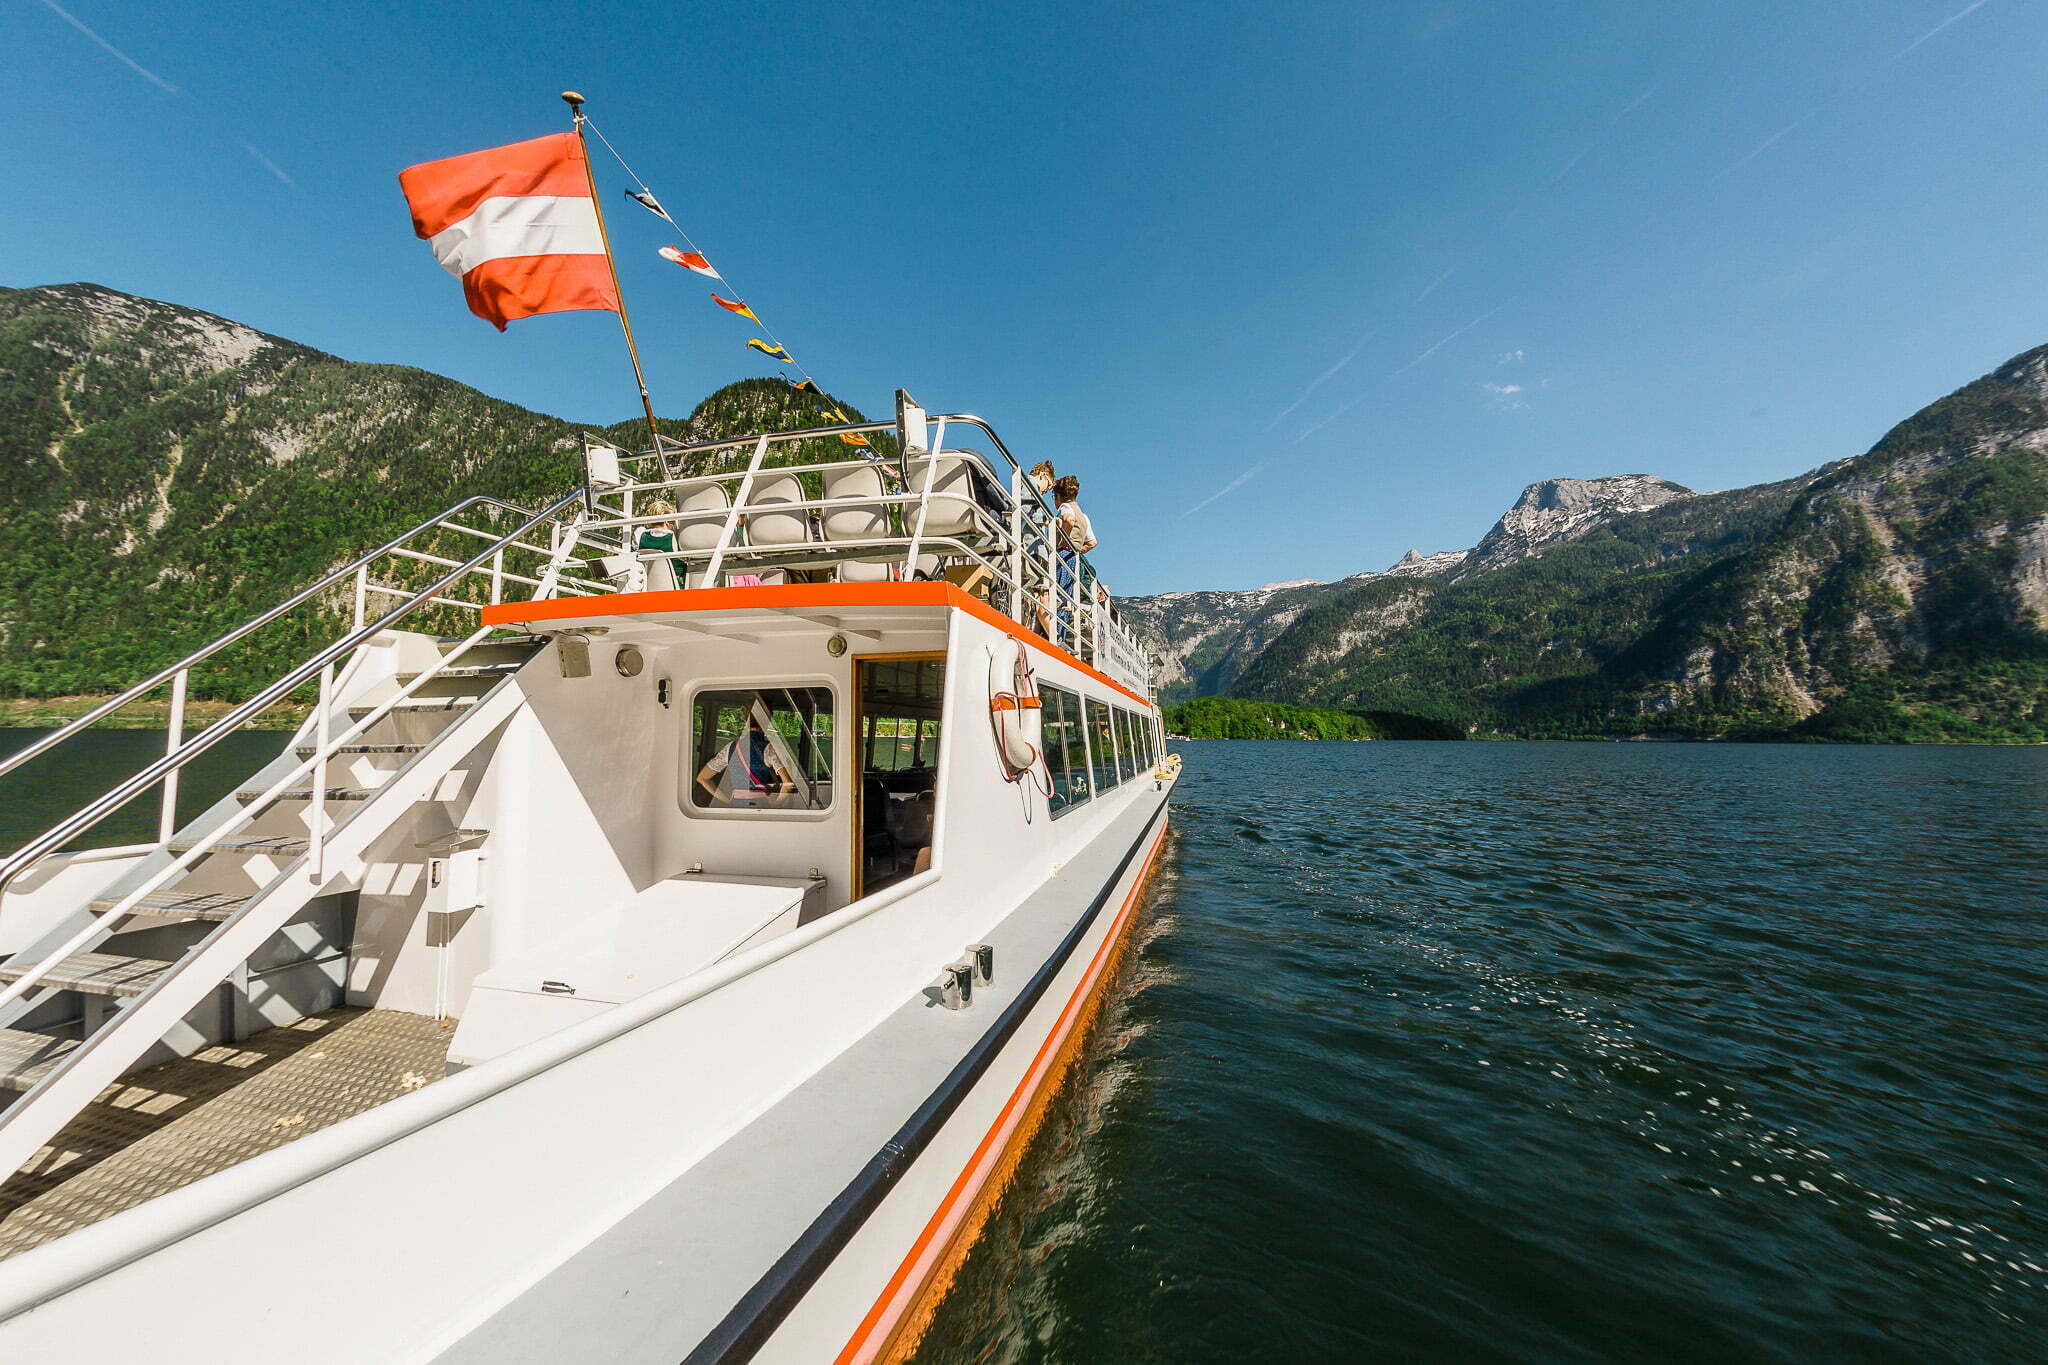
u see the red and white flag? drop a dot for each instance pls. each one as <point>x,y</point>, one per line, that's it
<point>517,226</point>
<point>689,260</point>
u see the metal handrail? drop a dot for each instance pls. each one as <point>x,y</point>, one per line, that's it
<point>253,624</point>
<point>103,926</point>
<point>64,831</point>
<point>1032,534</point>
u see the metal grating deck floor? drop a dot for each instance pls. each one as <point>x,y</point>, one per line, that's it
<point>163,1128</point>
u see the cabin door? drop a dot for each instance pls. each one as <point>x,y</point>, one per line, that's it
<point>897,699</point>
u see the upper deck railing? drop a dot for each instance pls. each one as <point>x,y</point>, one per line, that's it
<point>923,512</point>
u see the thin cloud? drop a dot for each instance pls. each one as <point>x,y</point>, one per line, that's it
<point>1446,341</point>
<point>1231,487</point>
<point>267,164</point>
<point>137,67</point>
<point>1963,13</point>
<point>1434,283</point>
<point>1514,357</point>
<point>1321,380</point>
<point>1506,395</point>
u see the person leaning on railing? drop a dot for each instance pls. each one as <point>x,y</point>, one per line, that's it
<point>1077,537</point>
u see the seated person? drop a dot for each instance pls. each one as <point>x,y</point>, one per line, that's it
<point>662,574</point>
<point>745,774</point>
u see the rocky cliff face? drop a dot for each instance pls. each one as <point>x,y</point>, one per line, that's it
<point>1559,510</point>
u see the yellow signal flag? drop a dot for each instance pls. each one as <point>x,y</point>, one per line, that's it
<point>734,306</point>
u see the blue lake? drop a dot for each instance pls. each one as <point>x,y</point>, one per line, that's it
<point>1558,1052</point>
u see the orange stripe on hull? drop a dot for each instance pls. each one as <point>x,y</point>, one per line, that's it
<point>893,1326</point>
<point>785,597</point>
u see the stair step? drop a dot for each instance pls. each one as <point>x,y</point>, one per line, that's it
<point>308,750</point>
<point>26,1058</point>
<point>96,973</point>
<point>416,705</point>
<point>306,794</point>
<point>213,905</point>
<point>281,844</point>
<point>470,671</point>
<point>523,641</point>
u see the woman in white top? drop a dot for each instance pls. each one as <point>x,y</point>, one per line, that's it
<point>1077,537</point>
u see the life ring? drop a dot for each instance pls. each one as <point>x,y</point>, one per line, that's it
<point>1014,712</point>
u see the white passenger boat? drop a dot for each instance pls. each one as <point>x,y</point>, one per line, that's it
<point>668,963</point>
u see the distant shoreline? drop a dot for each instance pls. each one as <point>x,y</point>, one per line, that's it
<point>1786,741</point>
<point>149,713</point>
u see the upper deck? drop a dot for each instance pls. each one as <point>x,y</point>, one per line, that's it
<point>770,509</point>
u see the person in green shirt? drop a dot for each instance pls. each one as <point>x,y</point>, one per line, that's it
<point>658,536</point>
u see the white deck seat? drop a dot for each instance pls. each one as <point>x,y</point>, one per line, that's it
<point>960,485</point>
<point>854,483</point>
<point>765,528</point>
<point>865,571</point>
<point>702,518</point>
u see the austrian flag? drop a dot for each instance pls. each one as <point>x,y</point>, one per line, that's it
<point>517,226</point>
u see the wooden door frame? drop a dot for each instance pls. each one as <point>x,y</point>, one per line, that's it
<point>858,877</point>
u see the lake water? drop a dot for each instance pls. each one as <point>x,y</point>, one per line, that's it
<point>1558,1052</point>
<point>1525,1051</point>
<point>47,789</point>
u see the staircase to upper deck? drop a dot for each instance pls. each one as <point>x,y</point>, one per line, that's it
<point>259,871</point>
<point>243,918</point>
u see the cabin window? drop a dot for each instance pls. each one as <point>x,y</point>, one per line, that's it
<point>902,702</point>
<point>1126,747</point>
<point>1102,744</point>
<point>765,748</point>
<point>1066,749</point>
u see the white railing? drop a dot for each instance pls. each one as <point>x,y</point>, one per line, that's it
<point>997,538</point>
<point>487,567</point>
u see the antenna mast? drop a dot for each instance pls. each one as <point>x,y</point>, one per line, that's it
<point>575,103</point>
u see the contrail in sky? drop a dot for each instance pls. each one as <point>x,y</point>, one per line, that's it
<point>1320,380</point>
<point>1638,102</point>
<point>1962,13</point>
<point>1315,427</point>
<point>269,165</point>
<point>1769,142</point>
<point>1772,140</point>
<point>137,67</point>
<point>1434,283</point>
<point>1231,487</point>
<point>1446,341</point>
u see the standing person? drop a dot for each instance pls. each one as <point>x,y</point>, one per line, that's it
<point>1077,537</point>
<point>1042,477</point>
<point>662,574</point>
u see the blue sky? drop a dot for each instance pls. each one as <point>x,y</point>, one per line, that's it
<point>1292,288</point>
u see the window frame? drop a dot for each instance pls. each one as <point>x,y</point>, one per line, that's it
<point>1102,725</point>
<point>687,776</point>
<point>1081,781</point>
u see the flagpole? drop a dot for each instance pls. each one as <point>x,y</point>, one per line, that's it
<point>575,103</point>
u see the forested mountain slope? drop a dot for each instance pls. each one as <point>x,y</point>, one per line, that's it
<point>1902,594</point>
<point>167,473</point>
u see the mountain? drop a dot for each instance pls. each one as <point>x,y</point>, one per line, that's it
<point>1206,640</point>
<point>1899,594</point>
<point>1558,510</point>
<point>168,473</point>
